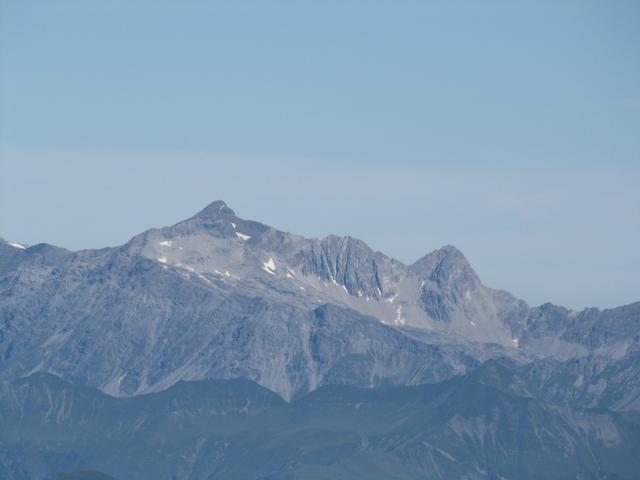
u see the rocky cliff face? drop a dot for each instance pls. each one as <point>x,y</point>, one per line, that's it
<point>217,296</point>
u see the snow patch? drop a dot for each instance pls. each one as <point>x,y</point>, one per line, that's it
<point>162,259</point>
<point>399,320</point>
<point>113,386</point>
<point>392,299</point>
<point>17,245</point>
<point>202,277</point>
<point>472,323</point>
<point>269,266</point>
<point>331,274</point>
<point>515,342</point>
<point>242,236</point>
<point>233,225</point>
<point>166,243</point>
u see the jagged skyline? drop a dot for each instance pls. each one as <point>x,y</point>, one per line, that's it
<point>410,126</point>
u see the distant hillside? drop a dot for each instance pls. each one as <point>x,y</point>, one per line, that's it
<point>84,475</point>
<point>487,424</point>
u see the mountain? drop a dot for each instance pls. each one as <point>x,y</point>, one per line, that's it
<point>224,348</point>
<point>486,424</point>
<point>84,475</point>
<point>217,296</point>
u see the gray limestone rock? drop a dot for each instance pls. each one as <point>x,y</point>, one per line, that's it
<point>217,296</point>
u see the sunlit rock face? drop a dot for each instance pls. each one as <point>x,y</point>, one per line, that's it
<point>217,296</point>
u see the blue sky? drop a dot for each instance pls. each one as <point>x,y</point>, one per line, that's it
<point>509,129</point>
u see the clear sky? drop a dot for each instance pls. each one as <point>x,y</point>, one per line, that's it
<point>509,129</point>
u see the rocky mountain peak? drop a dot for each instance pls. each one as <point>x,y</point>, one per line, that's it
<point>447,261</point>
<point>215,210</point>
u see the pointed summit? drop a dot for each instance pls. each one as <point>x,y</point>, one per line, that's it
<point>215,210</point>
<point>447,255</point>
<point>451,250</point>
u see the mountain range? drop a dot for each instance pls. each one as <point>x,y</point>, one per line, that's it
<point>459,380</point>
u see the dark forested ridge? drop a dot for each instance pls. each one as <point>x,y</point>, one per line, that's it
<point>487,424</point>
